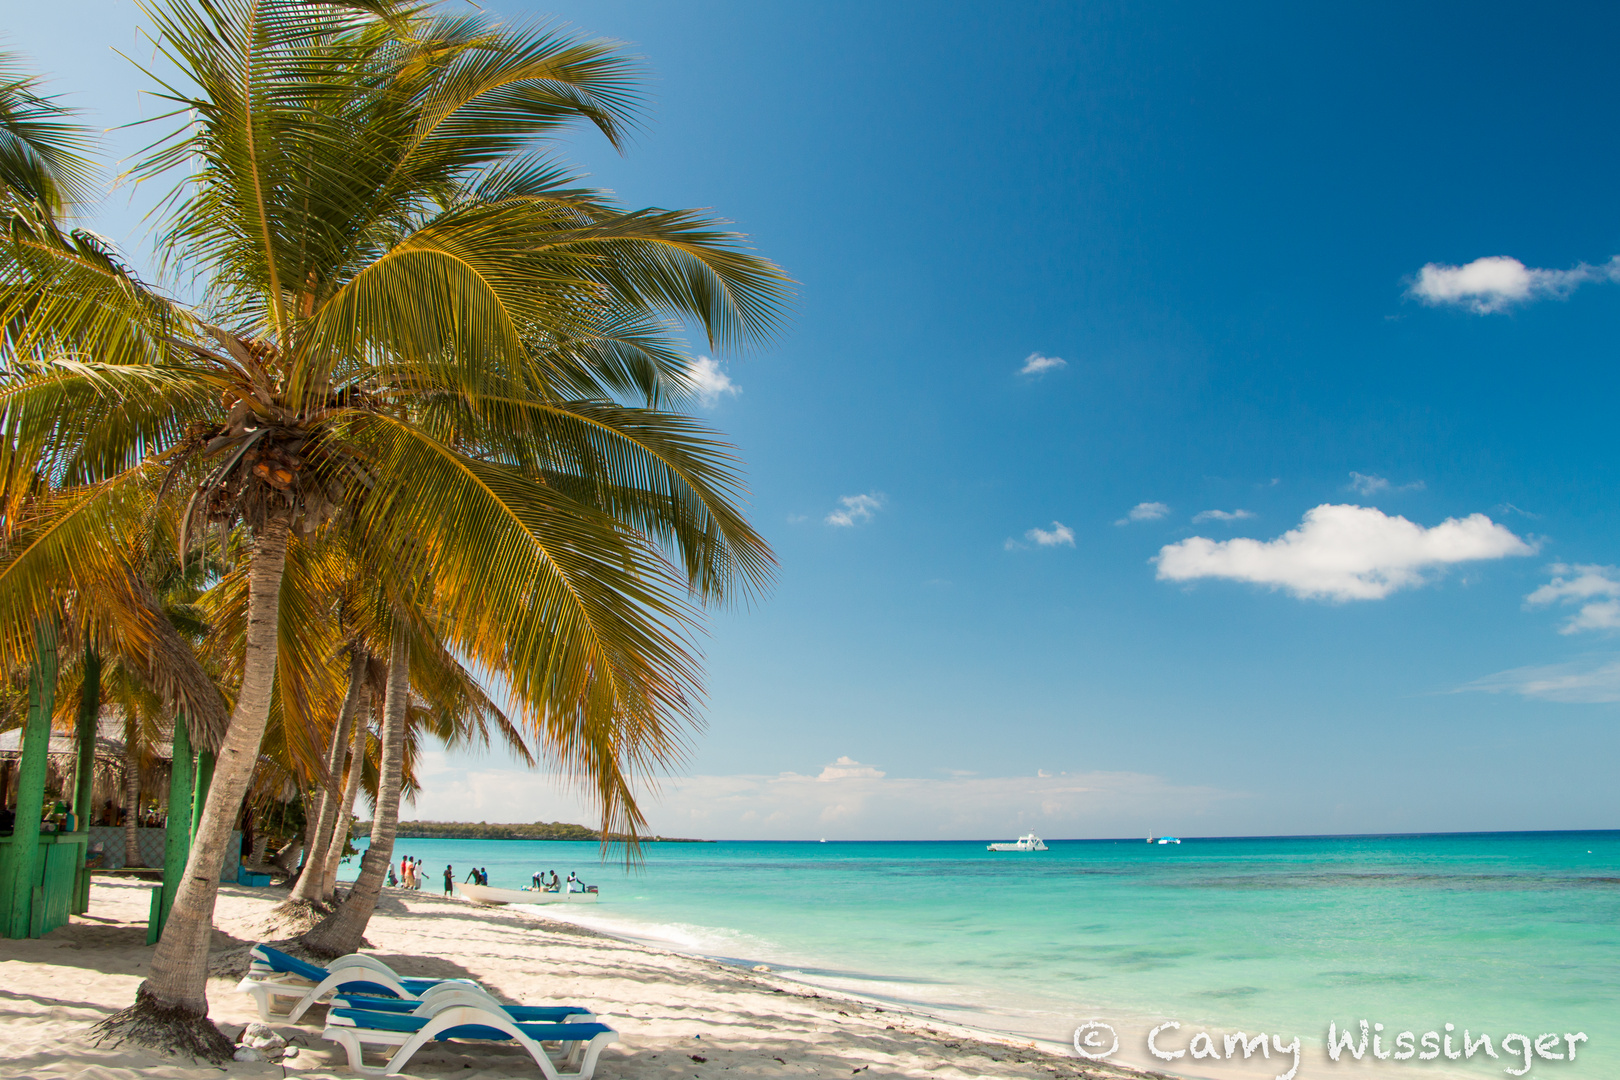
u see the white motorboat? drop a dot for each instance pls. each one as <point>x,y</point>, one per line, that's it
<point>1169,840</point>
<point>485,894</point>
<point>1023,843</point>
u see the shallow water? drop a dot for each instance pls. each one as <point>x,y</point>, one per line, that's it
<point>1505,932</point>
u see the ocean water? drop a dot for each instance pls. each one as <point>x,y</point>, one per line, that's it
<point>1495,933</point>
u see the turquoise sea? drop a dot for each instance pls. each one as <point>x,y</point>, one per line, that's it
<point>1497,933</point>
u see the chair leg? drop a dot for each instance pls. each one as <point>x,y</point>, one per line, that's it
<point>593,1050</point>
<point>541,1058</point>
<point>396,1063</point>
<point>302,1006</point>
<point>350,1041</point>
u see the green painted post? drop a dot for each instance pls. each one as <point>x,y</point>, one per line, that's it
<point>177,833</point>
<point>84,773</point>
<point>199,794</point>
<point>24,868</point>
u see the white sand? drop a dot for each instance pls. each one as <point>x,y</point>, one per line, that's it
<point>677,1016</point>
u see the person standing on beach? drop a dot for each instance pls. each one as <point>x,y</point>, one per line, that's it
<point>449,880</point>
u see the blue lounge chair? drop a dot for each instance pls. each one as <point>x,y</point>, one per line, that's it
<point>578,1045</point>
<point>274,975</point>
<point>442,997</point>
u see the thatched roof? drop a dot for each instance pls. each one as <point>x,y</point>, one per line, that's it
<point>109,741</point>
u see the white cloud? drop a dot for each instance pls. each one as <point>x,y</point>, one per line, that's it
<point>1147,511</point>
<point>1036,364</point>
<point>1059,534</point>
<point>1367,485</point>
<point>1342,553</point>
<point>1221,515</point>
<point>1594,589</point>
<point>1497,282</point>
<point>865,804</point>
<point>1588,681</point>
<point>705,379</point>
<point>1362,484</point>
<point>847,768</point>
<point>855,509</point>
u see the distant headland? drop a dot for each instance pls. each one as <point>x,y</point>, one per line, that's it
<point>484,830</point>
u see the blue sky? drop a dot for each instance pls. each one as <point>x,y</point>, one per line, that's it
<point>1219,221</point>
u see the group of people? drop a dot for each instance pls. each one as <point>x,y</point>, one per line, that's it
<point>410,873</point>
<point>410,877</point>
<point>543,884</point>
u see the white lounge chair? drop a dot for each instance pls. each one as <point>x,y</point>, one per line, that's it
<point>579,1045</point>
<point>274,976</point>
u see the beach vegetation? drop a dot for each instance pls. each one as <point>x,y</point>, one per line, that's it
<point>405,324</point>
<point>539,830</point>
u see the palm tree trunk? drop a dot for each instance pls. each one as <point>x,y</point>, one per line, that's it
<point>300,862</point>
<point>84,780</point>
<point>132,792</point>
<point>312,882</point>
<point>89,717</point>
<point>351,790</point>
<point>341,932</point>
<point>171,1006</point>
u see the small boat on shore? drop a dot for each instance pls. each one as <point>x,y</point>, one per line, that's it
<point>1023,843</point>
<point>484,894</point>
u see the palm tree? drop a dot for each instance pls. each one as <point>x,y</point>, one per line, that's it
<point>454,706</point>
<point>353,627</point>
<point>310,887</point>
<point>419,331</point>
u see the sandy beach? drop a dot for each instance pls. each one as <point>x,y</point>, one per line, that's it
<point>677,1016</point>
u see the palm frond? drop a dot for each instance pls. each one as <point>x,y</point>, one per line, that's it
<point>43,154</point>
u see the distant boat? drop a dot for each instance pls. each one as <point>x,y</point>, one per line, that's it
<point>1023,843</point>
<point>483,894</point>
<point>1169,840</point>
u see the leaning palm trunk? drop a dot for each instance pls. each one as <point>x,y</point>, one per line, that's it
<point>171,1006</point>
<point>341,932</point>
<point>132,794</point>
<point>312,882</point>
<point>351,791</point>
